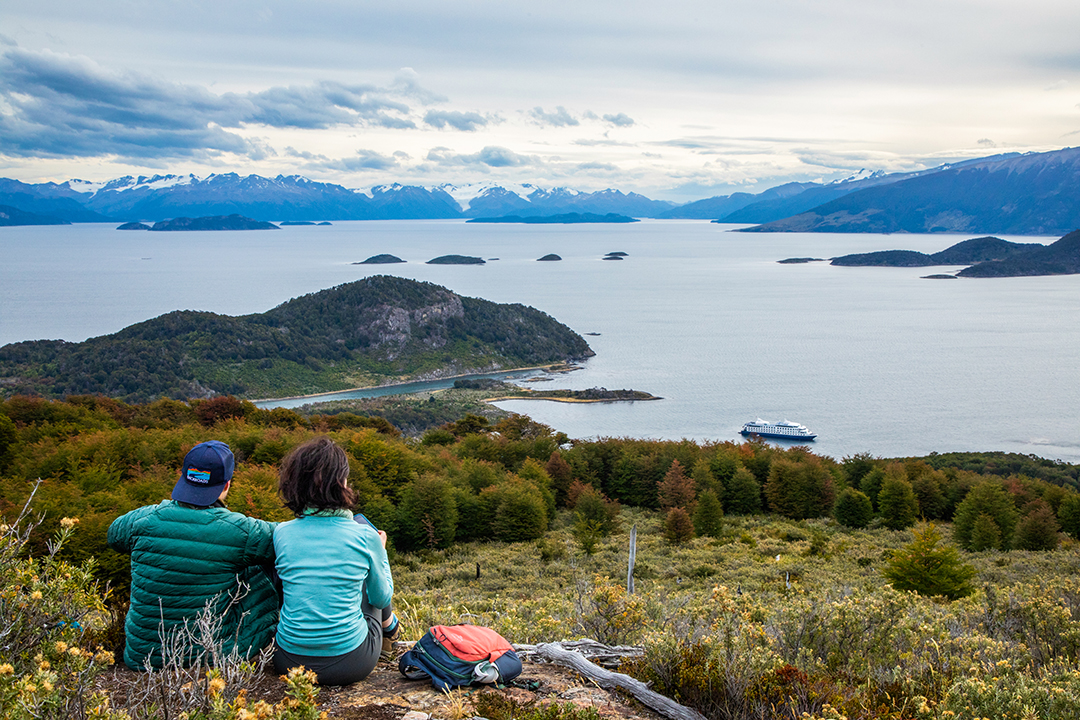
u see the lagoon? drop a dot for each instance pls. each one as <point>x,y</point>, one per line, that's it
<point>874,360</point>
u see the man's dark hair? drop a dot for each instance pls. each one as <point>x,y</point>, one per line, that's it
<point>314,475</point>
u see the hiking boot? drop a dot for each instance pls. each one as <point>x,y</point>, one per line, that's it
<point>387,654</point>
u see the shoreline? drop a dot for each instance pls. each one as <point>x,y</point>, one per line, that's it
<point>417,380</point>
<point>569,400</point>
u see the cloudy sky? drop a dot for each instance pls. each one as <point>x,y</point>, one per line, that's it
<point>678,100</point>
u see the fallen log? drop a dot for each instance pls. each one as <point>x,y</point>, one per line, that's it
<point>555,653</point>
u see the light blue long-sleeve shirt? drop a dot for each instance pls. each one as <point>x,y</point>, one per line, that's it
<point>326,562</point>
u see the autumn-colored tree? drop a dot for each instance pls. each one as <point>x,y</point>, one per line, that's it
<point>678,527</point>
<point>212,411</point>
<point>561,475</point>
<point>676,489</point>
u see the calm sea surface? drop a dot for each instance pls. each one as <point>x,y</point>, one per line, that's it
<point>872,359</point>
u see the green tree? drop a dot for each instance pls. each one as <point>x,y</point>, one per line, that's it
<point>8,434</point>
<point>1069,515</point>
<point>985,534</point>
<point>533,472</point>
<point>519,511</point>
<point>928,485</point>
<point>708,515</point>
<point>896,503</point>
<point>1038,529</point>
<point>800,489</point>
<point>853,509</point>
<point>592,507</point>
<point>986,498</point>
<point>856,467</point>
<point>929,567</point>
<point>870,484</point>
<point>705,480</point>
<point>428,515</point>
<point>743,496</point>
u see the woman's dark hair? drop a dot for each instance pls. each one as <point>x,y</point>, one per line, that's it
<point>314,475</point>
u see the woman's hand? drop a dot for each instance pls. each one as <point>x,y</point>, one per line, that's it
<point>382,537</point>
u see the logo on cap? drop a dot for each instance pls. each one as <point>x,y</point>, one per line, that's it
<point>195,475</point>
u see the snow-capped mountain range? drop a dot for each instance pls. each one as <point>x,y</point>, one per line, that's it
<point>1031,193</point>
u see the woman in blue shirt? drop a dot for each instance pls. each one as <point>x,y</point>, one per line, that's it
<point>334,572</point>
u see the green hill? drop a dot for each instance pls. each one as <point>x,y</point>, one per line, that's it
<point>368,332</point>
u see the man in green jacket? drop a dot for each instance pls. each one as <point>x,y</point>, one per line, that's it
<point>192,553</point>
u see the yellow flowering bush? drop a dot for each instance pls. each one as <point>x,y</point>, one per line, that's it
<point>46,605</point>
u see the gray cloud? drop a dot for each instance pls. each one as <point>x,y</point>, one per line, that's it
<point>464,121</point>
<point>597,166</point>
<point>362,161</point>
<point>620,120</point>
<point>560,118</point>
<point>491,156</point>
<point>63,106</point>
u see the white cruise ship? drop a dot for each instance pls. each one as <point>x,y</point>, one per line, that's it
<point>783,430</point>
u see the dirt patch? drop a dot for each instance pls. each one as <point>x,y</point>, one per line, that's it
<point>387,695</point>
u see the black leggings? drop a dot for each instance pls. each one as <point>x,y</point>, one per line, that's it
<point>347,668</point>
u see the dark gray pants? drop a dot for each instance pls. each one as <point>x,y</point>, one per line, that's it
<point>347,668</point>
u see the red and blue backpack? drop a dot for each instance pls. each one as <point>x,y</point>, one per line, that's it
<point>460,655</point>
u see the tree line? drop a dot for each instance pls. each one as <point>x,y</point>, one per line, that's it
<point>474,479</point>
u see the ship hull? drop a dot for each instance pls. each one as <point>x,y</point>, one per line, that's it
<point>776,436</point>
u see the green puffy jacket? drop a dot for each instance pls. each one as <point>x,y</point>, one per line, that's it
<point>183,558</point>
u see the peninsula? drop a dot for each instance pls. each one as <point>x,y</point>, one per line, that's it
<point>592,395</point>
<point>370,332</point>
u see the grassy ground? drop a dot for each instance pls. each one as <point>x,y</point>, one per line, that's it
<point>793,615</point>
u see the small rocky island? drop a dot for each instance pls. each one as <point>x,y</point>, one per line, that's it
<point>134,226</point>
<point>382,259</point>
<point>550,257</point>
<point>507,391</point>
<point>455,260</point>
<point>214,222</point>
<point>560,219</point>
<point>799,260</point>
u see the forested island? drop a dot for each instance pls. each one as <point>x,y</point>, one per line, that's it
<point>456,260</point>
<point>987,257</point>
<point>213,222</point>
<point>373,331</point>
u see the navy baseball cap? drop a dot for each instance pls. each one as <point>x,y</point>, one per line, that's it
<point>207,467</point>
